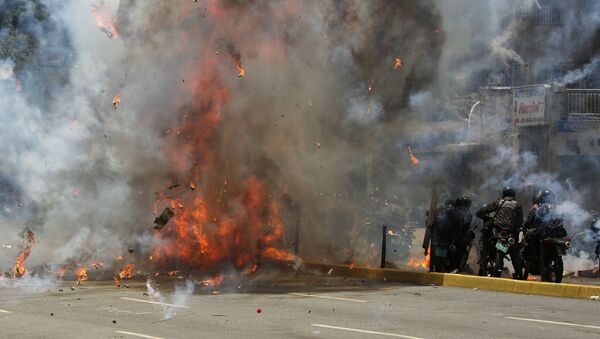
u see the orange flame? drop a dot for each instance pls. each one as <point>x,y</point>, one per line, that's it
<point>97,265</point>
<point>82,276</point>
<point>105,22</point>
<point>238,64</point>
<point>116,101</point>
<point>126,272</point>
<point>413,158</point>
<point>398,64</point>
<point>278,254</point>
<point>427,260</point>
<point>216,280</point>
<point>251,269</point>
<point>418,263</point>
<point>172,273</point>
<point>19,269</point>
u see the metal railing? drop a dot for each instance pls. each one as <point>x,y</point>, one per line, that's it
<point>584,103</point>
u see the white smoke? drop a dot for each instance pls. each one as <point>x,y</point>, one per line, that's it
<point>180,297</point>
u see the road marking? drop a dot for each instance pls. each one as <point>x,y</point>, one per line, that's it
<point>365,331</point>
<point>327,297</point>
<point>3,311</point>
<point>138,335</point>
<point>154,302</point>
<point>553,322</point>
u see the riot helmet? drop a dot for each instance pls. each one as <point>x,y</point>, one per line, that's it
<point>508,192</point>
<point>548,197</point>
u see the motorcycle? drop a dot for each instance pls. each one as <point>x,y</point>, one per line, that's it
<point>551,263</point>
<point>503,240</point>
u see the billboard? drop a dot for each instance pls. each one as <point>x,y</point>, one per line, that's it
<point>530,106</point>
<point>578,138</point>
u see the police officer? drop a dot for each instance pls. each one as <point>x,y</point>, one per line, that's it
<point>505,213</point>
<point>460,216</point>
<point>531,229</point>
<point>441,238</point>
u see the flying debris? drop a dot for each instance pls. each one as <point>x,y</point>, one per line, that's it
<point>162,220</point>
<point>413,158</point>
<point>398,64</point>
<point>116,101</point>
<point>105,21</point>
<point>126,272</point>
<point>19,269</point>
<point>238,64</point>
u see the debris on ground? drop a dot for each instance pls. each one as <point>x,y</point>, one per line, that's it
<point>595,298</point>
<point>162,220</point>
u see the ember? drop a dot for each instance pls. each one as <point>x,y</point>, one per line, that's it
<point>116,101</point>
<point>238,64</point>
<point>413,158</point>
<point>398,64</point>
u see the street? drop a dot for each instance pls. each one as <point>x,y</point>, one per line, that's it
<point>293,307</point>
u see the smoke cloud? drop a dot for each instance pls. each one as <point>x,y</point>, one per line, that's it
<point>313,135</point>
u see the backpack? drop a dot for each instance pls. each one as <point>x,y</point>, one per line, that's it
<point>506,214</point>
<point>550,223</point>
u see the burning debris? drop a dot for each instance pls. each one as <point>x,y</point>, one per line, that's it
<point>127,272</point>
<point>105,21</point>
<point>81,274</point>
<point>238,64</point>
<point>116,101</point>
<point>398,64</point>
<point>413,158</point>
<point>19,269</point>
<point>215,280</point>
<point>163,219</point>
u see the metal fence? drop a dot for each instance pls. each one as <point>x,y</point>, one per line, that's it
<point>583,103</point>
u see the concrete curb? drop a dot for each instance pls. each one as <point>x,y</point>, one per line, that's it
<point>459,280</point>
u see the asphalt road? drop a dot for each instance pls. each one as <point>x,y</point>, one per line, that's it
<point>294,307</point>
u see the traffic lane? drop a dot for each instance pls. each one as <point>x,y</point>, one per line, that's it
<point>413,311</point>
<point>452,312</point>
<point>418,311</point>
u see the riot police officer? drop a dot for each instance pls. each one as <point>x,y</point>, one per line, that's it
<point>506,214</point>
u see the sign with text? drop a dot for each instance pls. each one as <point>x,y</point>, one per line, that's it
<point>530,105</point>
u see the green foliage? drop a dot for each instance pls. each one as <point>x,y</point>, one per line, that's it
<point>18,19</point>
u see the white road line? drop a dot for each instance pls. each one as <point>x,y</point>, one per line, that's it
<point>327,297</point>
<point>154,302</point>
<point>553,322</point>
<point>3,311</point>
<point>365,331</point>
<point>138,335</point>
